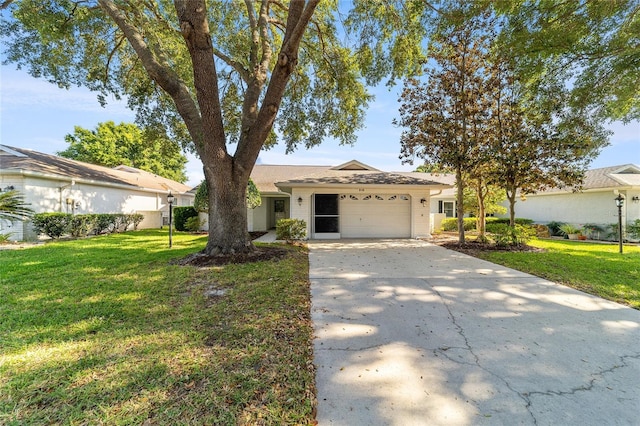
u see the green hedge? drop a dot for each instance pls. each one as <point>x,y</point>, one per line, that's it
<point>55,225</point>
<point>180,216</point>
<point>451,224</point>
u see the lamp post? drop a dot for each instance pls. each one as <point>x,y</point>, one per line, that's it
<point>170,200</point>
<point>619,203</point>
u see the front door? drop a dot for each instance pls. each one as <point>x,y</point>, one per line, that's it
<point>326,219</point>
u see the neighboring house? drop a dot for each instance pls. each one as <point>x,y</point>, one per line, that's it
<point>594,203</point>
<point>351,200</point>
<point>55,184</point>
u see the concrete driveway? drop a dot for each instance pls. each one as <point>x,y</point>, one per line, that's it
<point>409,333</point>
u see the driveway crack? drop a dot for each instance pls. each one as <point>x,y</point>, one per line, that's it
<point>476,359</point>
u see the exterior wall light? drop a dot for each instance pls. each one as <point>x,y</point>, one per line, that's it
<point>423,201</point>
<point>635,199</point>
<point>299,201</point>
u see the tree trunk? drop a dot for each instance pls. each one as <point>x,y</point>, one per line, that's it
<point>227,213</point>
<point>460,205</point>
<point>511,196</point>
<point>481,221</point>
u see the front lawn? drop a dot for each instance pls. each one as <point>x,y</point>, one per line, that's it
<point>107,331</point>
<point>591,267</point>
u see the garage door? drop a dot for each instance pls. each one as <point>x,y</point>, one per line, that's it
<point>375,216</point>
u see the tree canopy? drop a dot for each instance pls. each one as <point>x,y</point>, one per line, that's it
<point>111,145</point>
<point>593,44</point>
<point>477,114</point>
<point>226,78</point>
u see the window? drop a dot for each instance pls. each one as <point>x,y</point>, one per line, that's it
<point>278,206</point>
<point>448,208</point>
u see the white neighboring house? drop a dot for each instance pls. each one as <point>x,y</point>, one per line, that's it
<point>55,184</point>
<point>352,200</point>
<point>594,203</point>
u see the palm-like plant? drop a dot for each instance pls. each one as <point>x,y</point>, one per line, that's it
<point>13,207</point>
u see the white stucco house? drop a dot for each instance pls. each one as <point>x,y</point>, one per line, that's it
<point>351,200</point>
<point>594,203</point>
<point>55,184</point>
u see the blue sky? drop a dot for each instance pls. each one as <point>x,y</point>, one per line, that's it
<point>37,115</point>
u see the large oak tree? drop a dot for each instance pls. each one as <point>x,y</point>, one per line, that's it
<point>225,77</point>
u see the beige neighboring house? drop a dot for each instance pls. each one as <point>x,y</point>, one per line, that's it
<point>352,200</point>
<point>55,184</point>
<point>594,203</point>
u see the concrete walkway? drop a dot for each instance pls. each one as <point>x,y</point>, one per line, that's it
<point>409,333</point>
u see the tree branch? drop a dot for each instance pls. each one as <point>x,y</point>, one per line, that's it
<point>160,72</point>
<point>300,13</point>
<point>194,25</point>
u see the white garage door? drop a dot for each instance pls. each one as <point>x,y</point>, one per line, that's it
<point>375,216</point>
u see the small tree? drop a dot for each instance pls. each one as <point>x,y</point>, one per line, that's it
<point>444,117</point>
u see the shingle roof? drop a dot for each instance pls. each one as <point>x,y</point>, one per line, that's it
<point>265,175</point>
<point>12,158</point>
<point>361,177</point>
<point>607,177</point>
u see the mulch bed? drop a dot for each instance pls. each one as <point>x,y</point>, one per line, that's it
<point>258,254</point>
<point>473,248</point>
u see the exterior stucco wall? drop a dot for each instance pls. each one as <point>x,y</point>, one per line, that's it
<point>576,208</point>
<point>50,195</point>
<point>420,217</point>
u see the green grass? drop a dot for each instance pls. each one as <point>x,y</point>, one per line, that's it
<point>593,268</point>
<point>106,331</point>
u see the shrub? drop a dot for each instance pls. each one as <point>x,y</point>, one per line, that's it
<point>193,224</point>
<point>593,230</point>
<point>4,238</point>
<point>291,229</point>
<point>102,224</point>
<point>519,220</point>
<point>633,229</point>
<point>54,225</point>
<point>136,219</point>
<point>81,225</point>
<point>568,228</point>
<point>518,235</point>
<point>451,224</point>
<point>542,231</point>
<point>180,216</point>
<point>554,228</point>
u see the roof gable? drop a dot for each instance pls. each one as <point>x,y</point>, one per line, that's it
<point>354,165</point>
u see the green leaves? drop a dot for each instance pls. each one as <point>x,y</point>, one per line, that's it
<point>13,206</point>
<point>111,145</point>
